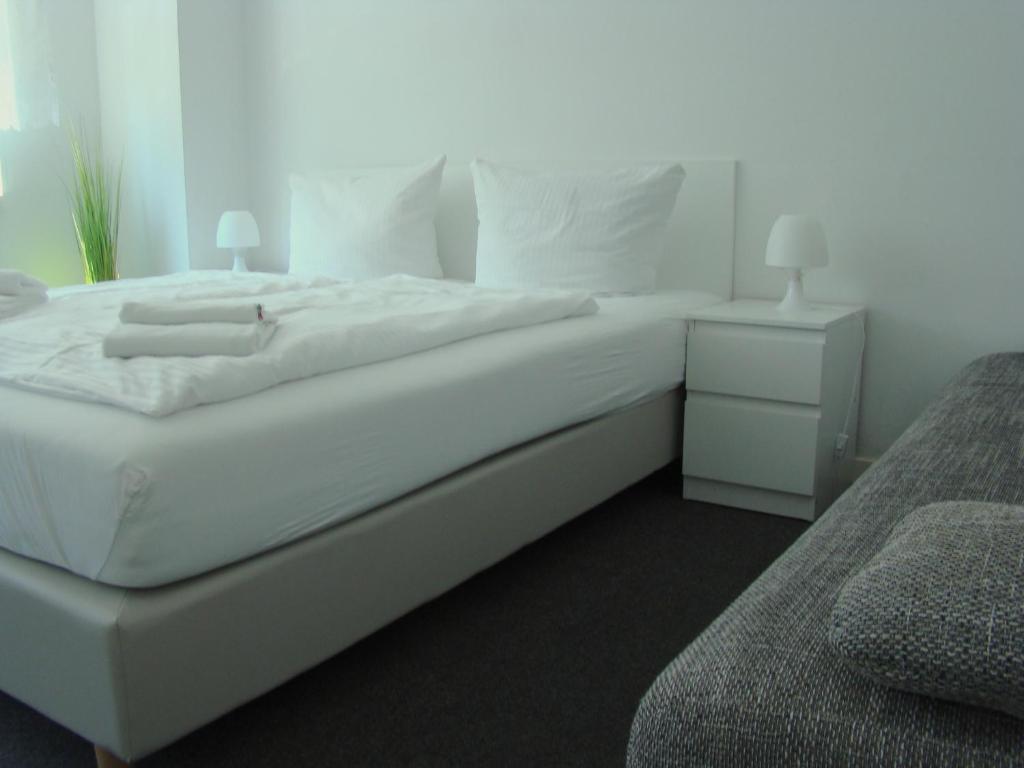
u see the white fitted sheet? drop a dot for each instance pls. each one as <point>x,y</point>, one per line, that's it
<point>130,500</point>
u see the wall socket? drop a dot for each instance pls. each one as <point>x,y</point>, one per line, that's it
<point>839,451</point>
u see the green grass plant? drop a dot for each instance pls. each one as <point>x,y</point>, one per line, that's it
<point>95,210</point>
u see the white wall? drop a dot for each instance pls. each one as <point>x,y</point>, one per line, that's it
<point>211,44</point>
<point>36,233</point>
<point>899,124</point>
<point>140,96</point>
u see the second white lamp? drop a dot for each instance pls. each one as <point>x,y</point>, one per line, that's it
<point>797,242</point>
<point>237,230</point>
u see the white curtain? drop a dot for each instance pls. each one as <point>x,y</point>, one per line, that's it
<point>28,94</point>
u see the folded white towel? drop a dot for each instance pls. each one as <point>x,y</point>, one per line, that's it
<point>170,313</point>
<point>189,340</point>
<point>15,305</point>
<point>15,283</point>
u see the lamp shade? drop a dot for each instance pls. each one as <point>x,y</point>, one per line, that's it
<point>796,242</point>
<point>237,229</point>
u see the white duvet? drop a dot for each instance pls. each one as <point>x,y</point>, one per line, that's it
<point>324,325</point>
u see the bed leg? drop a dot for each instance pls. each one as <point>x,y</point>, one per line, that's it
<point>105,759</point>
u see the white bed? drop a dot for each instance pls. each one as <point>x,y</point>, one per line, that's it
<point>415,472</point>
<point>177,496</point>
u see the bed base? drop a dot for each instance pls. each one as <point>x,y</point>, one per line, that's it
<point>132,670</point>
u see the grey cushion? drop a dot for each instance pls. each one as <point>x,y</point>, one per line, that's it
<point>940,609</point>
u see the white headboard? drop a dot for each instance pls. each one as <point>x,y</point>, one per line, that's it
<point>701,232</point>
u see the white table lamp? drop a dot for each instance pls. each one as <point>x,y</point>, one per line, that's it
<point>237,230</point>
<point>796,243</point>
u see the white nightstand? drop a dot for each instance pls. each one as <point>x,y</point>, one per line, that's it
<point>768,396</point>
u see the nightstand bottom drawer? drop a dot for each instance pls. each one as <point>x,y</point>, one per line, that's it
<point>756,443</point>
<point>745,497</point>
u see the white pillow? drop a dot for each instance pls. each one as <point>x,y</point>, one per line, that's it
<point>359,225</point>
<point>602,232</point>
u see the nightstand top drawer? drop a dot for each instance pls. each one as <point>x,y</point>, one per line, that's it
<point>767,363</point>
<point>757,312</point>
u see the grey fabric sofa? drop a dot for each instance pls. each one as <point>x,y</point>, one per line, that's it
<point>761,686</point>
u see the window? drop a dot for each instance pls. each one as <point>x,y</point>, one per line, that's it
<point>28,95</point>
<point>8,116</point>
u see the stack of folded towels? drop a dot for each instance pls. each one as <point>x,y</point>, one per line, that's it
<point>190,329</point>
<point>19,292</point>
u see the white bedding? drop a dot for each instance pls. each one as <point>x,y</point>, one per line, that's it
<point>126,499</point>
<point>325,325</point>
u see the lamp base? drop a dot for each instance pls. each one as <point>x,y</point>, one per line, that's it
<point>794,300</point>
<point>240,265</point>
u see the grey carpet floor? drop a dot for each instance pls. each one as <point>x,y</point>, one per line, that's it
<point>538,661</point>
